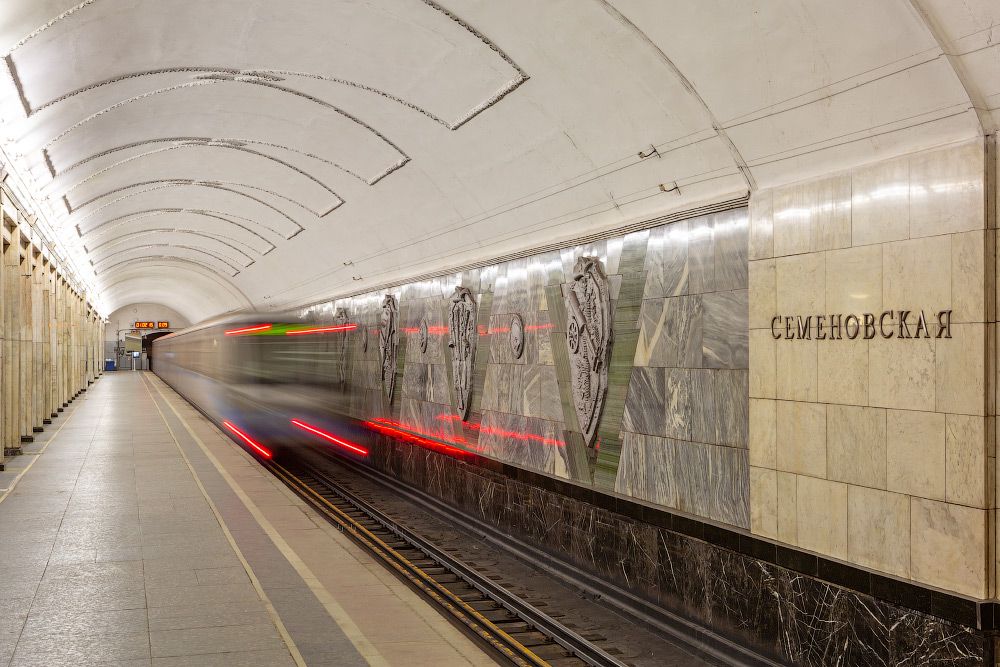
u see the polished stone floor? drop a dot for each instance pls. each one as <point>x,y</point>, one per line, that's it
<point>132,532</point>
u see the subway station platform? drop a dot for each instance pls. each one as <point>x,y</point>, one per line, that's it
<point>135,533</point>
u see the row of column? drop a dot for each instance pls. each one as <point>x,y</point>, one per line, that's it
<point>50,337</point>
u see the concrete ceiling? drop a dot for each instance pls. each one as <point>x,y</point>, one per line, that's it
<point>233,153</point>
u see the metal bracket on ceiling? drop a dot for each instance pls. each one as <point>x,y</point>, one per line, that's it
<point>652,151</point>
<point>676,188</point>
<point>355,277</point>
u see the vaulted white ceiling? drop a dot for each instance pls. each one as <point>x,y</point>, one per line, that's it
<point>233,153</point>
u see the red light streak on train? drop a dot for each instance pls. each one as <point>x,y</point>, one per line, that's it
<point>511,434</point>
<point>331,438</point>
<point>397,430</point>
<point>344,327</point>
<point>234,332</point>
<point>266,454</point>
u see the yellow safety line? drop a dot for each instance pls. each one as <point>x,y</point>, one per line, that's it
<point>337,613</point>
<point>367,536</point>
<point>272,612</point>
<point>38,454</point>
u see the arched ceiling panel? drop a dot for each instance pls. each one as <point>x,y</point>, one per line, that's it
<point>341,144</point>
<point>427,56</point>
<point>223,248</point>
<point>269,218</point>
<point>232,230</point>
<point>193,291</point>
<point>258,117</point>
<point>193,250</point>
<point>208,163</point>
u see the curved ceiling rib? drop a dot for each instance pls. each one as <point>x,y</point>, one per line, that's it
<point>393,157</point>
<point>131,195</point>
<point>236,142</point>
<point>216,215</point>
<point>98,250</point>
<point>263,73</point>
<point>162,183</point>
<point>418,27</point>
<point>282,163</point>
<point>98,268</point>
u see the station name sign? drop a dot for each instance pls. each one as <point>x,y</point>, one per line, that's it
<point>888,324</point>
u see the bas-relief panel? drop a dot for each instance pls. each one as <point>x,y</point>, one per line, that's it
<point>686,289</point>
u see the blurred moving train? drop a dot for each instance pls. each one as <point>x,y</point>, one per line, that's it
<point>273,382</point>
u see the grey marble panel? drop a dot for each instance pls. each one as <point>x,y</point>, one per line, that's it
<point>516,297</point>
<point>531,391</point>
<point>657,342</point>
<point>703,397</point>
<point>643,471</point>
<point>732,407</point>
<point>490,397</point>
<point>667,267</point>
<point>554,273</point>
<point>684,326</point>
<point>691,476</point>
<point>644,402</point>
<point>731,247</point>
<point>438,384</point>
<point>729,486</point>
<point>678,404</point>
<point>633,253</point>
<point>537,344</point>
<point>411,416</point>
<point>510,393</point>
<point>415,376</point>
<point>537,279</point>
<point>614,250</point>
<point>726,338</point>
<point>701,255</point>
<point>550,406</point>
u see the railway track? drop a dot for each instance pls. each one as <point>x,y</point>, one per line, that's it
<point>511,628</point>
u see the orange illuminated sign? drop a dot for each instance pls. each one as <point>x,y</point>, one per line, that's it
<point>145,325</point>
<point>163,325</point>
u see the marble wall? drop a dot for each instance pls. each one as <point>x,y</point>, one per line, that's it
<point>674,426</point>
<point>874,450</point>
<point>685,416</point>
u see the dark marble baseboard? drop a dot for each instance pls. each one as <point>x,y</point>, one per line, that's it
<point>786,605</point>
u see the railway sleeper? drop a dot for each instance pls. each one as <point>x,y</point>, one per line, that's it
<point>530,638</point>
<point>513,626</point>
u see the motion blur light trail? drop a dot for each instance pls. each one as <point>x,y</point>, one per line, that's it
<point>236,332</point>
<point>331,438</point>
<point>266,454</point>
<point>344,327</point>
<point>399,431</point>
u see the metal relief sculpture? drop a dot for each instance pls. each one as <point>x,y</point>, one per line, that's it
<point>516,336</point>
<point>387,343</point>
<point>340,344</point>
<point>422,335</point>
<point>589,338</point>
<point>463,334</point>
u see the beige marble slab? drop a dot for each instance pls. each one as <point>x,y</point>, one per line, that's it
<point>947,543</point>
<point>801,438</point>
<point>821,518</point>
<point>915,453</point>
<point>878,530</point>
<point>856,445</point>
